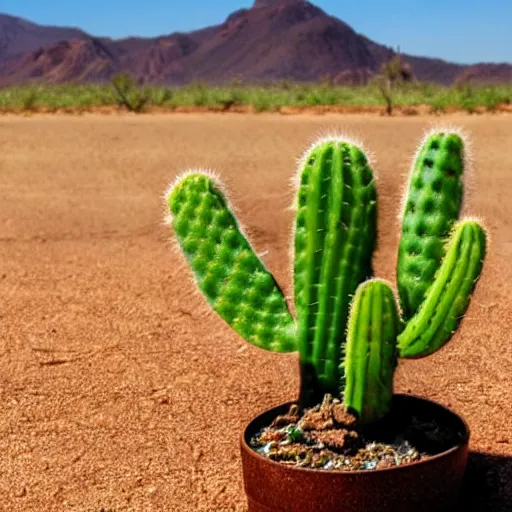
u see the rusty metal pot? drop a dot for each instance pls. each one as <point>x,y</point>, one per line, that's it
<point>431,485</point>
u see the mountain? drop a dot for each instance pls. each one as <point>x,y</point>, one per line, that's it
<point>494,73</point>
<point>272,40</point>
<point>18,36</point>
<point>78,60</point>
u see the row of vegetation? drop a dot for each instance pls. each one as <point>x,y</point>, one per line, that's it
<point>390,89</point>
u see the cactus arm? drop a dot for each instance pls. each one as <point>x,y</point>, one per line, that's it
<point>371,357</point>
<point>335,236</point>
<point>432,207</point>
<point>230,275</point>
<point>449,296</point>
<point>357,351</point>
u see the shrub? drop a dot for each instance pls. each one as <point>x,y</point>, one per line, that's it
<point>129,94</point>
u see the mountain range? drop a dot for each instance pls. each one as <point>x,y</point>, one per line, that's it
<point>272,40</point>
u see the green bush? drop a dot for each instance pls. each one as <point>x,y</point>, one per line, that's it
<point>125,92</point>
<point>129,94</point>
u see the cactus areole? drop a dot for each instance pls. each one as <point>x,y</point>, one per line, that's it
<point>350,329</point>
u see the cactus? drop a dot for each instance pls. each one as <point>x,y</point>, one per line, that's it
<point>230,275</point>
<point>439,263</point>
<point>448,297</point>
<point>335,235</point>
<point>371,354</point>
<point>430,211</point>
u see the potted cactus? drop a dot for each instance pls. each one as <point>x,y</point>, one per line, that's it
<point>348,442</point>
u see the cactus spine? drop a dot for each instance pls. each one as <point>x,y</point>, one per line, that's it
<point>335,236</point>
<point>430,211</point>
<point>230,275</point>
<point>371,354</point>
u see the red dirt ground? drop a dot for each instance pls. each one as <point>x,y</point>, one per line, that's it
<point>119,391</point>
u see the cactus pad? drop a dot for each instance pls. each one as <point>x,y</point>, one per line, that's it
<point>232,278</point>
<point>335,235</point>
<point>371,355</point>
<point>430,211</point>
<point>449,296</point>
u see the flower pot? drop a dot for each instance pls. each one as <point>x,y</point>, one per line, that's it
<point>430,485</point>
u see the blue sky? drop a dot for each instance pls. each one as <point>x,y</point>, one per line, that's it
<point>457,30</point>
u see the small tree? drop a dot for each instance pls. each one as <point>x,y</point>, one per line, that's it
<point>396,71</point>
<point>129,94</point>
<point>394,74</point>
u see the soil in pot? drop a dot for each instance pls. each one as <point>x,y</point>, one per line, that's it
<point>329,437</point>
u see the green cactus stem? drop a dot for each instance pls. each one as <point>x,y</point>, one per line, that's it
<point>371,355</point>
<point>432,207</point>
<point>449,295</point>
<point>341,311</point>
<point>232,278</point>
<point>335,236</point>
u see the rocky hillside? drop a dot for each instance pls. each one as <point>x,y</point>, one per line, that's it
<point>273,40</point>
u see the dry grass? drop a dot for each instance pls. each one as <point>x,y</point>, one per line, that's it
<point>437,99</point>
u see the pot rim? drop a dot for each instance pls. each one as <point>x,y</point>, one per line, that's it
<point>463,442</point>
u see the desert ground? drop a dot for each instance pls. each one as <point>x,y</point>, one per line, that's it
<point>119,390</point>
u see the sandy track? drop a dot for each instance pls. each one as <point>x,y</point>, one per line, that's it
<point>118,389</point>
